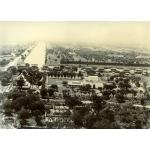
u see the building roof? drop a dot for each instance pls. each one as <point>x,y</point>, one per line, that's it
<point>75,83</point>
<point>91,78</point>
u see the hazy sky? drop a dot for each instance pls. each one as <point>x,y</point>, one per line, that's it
<point>132,34</point>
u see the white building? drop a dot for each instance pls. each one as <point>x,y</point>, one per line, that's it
<point>93,80</point>
<point>75,83</point>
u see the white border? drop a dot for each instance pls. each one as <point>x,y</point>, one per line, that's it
<point>74,139</point>
<point>74,10</point>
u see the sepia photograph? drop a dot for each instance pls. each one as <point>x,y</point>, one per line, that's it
<point>74,75</point>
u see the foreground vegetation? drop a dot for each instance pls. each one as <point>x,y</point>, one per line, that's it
<point>114,108</point>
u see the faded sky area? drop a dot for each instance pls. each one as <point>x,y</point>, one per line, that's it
<point>123,34</point>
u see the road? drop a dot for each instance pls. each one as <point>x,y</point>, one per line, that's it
<point>37,55</point>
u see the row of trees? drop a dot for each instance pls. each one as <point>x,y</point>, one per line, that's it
<point>65,74</point>
<point>125,63</point>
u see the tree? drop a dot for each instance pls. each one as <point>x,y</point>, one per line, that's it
<point>20,82</point>
<point>120,98</point>
<point>55,87</point>
<point>51,92</point>
<point>142,101</point>
<point>98,103</point>
<point>4,82</point>
<point>85,88</point>
<point>127,85</point>
<point>131,117</point>
<point>13,70</point>
<point>104,123</point>
<point>99,74</point>
<point>100,88</point>
<point>26,106</point>
<point>20,102</point>
<point>43,92</point>
<point>77,118</point>
<point>137,84</point>
<point>66,94</point>
<point>38,109</point>
<point>72,101</point>
<point>38,105</point>
<point>108,114</point>
<point>138,124</point>
<point>64,83</point>
<point>38,118</point>
<point>106,94</point>
<point>39,83</point>
<point>8,108</point>
<point>102,117</point>
<point>93,86</point>
<point>15,94</point>
<point>89,120</point>
<point>23,115</point>
<point>121,84</point>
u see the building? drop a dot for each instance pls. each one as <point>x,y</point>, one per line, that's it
<point>75,83</point>
<point>93,80</point>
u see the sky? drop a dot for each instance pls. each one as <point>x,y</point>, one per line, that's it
<point>122,34</point>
